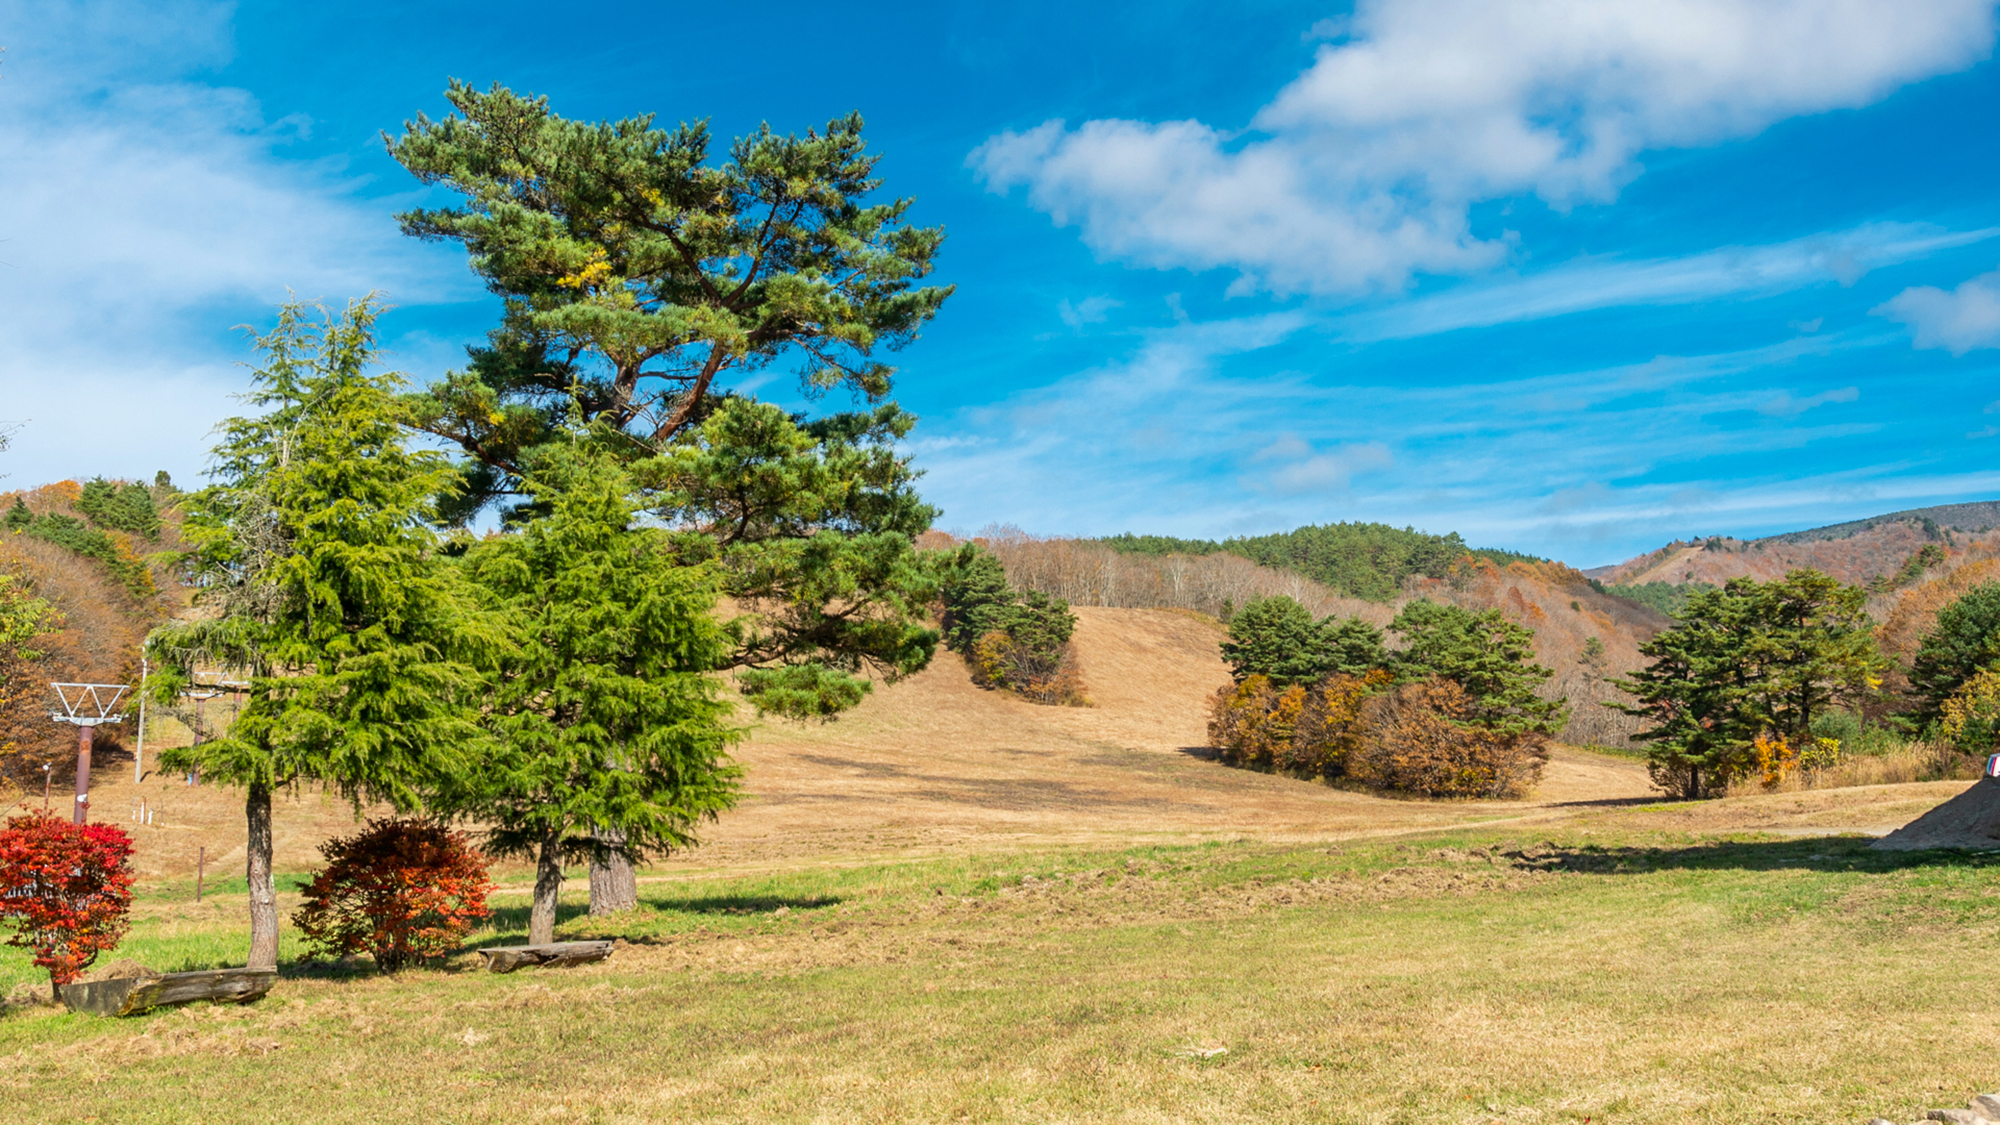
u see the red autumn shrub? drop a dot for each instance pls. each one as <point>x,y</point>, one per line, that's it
<point>402,890</point>
<point>66,888</point>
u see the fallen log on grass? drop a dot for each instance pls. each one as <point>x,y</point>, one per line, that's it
<point>507,958</point>
<point>132,995</point>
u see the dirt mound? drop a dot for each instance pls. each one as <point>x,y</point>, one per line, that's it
<point>1969,820</point>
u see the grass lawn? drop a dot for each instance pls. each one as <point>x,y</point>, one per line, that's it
<point>1607,975</point>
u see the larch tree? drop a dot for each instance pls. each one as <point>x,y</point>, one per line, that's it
<point>317,574</point>
<point>607,734</point>
<point>640,279</point>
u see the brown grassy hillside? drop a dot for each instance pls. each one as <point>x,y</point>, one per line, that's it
<point>1858,552</point>
<point>1557,602</point>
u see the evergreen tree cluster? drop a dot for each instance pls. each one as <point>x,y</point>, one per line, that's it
<point>106,504</point>
<point>1747,673</point>
<point>1669,598</point>
<point>124,505</point>
<point>1454,712</point>
<point>1489,657</point>
<point>1016,639</point>
<point>561,684</point>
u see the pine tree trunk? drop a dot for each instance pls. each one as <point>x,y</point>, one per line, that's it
<point>614,885</point>
<point>263,889</point>
<point>548,888</point>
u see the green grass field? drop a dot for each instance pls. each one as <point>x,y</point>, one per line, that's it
<point>1597,975</point>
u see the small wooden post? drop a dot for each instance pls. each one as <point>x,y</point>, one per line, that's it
<point>200,869</point>
<point>139,751</point>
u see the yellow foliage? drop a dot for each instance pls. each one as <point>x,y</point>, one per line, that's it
<point>594,273</point>
<point>1974,705</point>
<point>1775,757</point>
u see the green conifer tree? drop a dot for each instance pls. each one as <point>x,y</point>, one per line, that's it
<point>1964,642</point>
<point>313,551</point>
<point>1492,658</point>
<point>639,278</point>
<point>607,733</point>
<point>1750,658</point>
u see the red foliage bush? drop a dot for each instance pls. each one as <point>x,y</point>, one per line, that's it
<point>66,888</point>
<point>402,890</point>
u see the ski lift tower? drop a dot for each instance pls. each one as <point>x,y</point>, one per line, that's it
<point>87,706</point>
<point>206,686</point>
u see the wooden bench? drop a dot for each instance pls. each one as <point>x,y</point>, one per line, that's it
<point>133,995</point>
<point>507,958</point>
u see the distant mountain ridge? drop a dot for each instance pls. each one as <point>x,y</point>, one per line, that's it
<point>1978,516</point>
<point>1870,552</point>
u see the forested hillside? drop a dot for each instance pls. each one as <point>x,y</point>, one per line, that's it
<point>83,562</point>
<point>1883,553</point>
<point>1358,560</point>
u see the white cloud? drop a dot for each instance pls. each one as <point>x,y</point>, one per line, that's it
<point>1361,171</point>
<point>1534,462</point>
<point>143,213</point>
<point>1968,317</point>
<point>1090,310</point>
<point>1783,405</point>
<point>1291,466</point>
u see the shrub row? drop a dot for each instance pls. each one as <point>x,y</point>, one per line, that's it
<point>1421,737</point>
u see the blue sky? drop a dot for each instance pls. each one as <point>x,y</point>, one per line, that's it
<point>1567,277</point>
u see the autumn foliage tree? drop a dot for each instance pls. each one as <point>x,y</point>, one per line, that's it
<point>1426,738</point>
<point>66,888</point>
<point>400,890</point>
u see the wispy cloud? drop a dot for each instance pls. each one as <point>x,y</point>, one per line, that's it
<point>1839,257</point>
<point>145,212</point>
<point>1090,310</point>
<point>1557,461</point>
<point>1785,405</point>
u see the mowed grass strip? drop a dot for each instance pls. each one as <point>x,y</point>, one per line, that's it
<point>1609,977</point>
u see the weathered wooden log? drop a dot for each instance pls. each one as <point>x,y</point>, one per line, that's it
<point>507,958</point>
<point>138,994</point>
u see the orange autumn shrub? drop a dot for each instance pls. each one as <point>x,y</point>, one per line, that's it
<point>1419,741</point>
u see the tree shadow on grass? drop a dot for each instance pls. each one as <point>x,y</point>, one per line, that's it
<point>511,922</point>
<point>1813,853</point>
<point>738,904</point>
